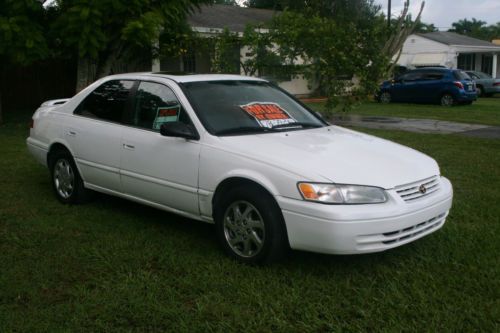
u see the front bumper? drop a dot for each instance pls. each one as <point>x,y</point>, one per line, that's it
<point>353,229</point>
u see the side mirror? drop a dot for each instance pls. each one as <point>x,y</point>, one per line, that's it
<point>177,129</point>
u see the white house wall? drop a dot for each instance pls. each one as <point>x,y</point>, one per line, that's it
<point>415,44</point>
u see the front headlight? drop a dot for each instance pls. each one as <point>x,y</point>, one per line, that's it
<point>341,193</point>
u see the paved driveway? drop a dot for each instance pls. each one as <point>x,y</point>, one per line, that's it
<point>418,125</point>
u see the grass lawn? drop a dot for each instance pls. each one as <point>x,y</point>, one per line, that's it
<point>483,111</point>
<point>112,265</point>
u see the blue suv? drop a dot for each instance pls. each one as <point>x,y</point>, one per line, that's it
<point>429,85</point>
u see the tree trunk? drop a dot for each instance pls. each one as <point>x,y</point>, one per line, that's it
<point>85,73</point>
<point>105,66</point>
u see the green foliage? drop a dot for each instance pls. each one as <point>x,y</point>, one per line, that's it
<point>326,52</point>
<point>424,27</point>
<point>477,29</point>
<point>22,37</point>
<point>225,55</point>
<point>108,30</point>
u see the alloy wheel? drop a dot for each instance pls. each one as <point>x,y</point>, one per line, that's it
<point>447,100</point>
<point>244,229</point>
<point>64,178</point>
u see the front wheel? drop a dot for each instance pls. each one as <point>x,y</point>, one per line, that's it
<point>447,100</point>
<point>250,225</point>
<point>66,181</point>
<point>385,97</point>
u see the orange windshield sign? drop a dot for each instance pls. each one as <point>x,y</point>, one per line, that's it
<point>268,114</point>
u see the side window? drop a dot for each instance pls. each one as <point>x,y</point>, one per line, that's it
<point>412,76</point>
<point>433,76</point>
<point>107,102</point>
<point>156,104</point>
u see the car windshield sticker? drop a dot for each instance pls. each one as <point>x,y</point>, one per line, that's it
<point>268,114</point>
<point>166,114</point>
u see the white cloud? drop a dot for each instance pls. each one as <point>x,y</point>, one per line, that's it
<point>444,12</point>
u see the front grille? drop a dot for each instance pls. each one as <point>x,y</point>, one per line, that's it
<point>419,189</point>
<point>391,238</point>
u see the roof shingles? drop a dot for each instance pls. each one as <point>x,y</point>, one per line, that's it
<point>452,38</point>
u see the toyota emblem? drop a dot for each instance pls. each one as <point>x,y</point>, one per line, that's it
<point>422,189</point>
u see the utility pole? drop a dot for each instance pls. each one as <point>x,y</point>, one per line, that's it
<point>389,14</point>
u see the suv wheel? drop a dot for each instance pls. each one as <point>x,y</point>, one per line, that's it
<point>250,225</point>
<point>66,181</point>
<point>385,97</point>
<point>447,100</point>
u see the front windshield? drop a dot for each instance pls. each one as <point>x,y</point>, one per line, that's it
<point>246,107</point>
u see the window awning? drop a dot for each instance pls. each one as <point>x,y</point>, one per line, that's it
<point>428,59</point>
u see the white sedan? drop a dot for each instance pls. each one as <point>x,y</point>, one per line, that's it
<point>239,152</point>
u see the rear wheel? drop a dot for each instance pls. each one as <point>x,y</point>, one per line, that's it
<point>385,97</point>
<point>447,100</point>
<point>250,225</point>
<point>66,181</point>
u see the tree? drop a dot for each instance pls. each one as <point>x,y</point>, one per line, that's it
<point>22,35</point>
<point>422,27</point>
<point>476,28</point>
<point>110,31</point>
<point>398,34</point>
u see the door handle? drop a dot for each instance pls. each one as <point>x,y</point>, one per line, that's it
<point>129,147</point>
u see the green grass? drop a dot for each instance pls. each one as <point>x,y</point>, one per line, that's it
<point>112,265</point>
<point>483,111</point>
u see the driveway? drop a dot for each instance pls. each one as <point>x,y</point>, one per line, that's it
<point>418,125</point>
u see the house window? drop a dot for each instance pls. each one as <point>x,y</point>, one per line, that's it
<point>189,62</point>
<point>467,61</point>
<point>487,63</point>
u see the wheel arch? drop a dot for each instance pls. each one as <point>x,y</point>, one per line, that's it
<point>235,181</point>
<point>58,146</point>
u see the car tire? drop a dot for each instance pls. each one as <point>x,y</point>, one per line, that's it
<point>480,91</point>
<point>447,100</point>
<point>385,97</point>
<point>65,178</point>
<point>250,226</point>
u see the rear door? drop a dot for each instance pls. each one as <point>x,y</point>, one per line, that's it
<point>430,86</point>
<point>96,133</point>
<point>159,169</point>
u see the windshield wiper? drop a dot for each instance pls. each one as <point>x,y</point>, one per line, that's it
<point>297,124</point>
<point>244,129</point>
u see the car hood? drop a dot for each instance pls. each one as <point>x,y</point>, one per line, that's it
<point>335,154</point>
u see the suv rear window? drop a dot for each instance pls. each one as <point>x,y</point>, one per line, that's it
<point>461,76</point>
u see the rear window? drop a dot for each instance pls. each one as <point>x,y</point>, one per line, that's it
<point>461,76</point>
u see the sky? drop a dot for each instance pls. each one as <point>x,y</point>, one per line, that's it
<point>442,13</point>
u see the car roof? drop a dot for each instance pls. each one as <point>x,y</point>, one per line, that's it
<point>181,77</point>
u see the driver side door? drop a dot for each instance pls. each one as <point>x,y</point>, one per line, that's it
<point>158,169</point>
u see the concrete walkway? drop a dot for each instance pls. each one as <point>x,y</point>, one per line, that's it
<point>418,125</point>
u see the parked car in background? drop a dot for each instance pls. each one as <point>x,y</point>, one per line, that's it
<point>243,154</point>
<point>429,85</point>
<point>485,84</point>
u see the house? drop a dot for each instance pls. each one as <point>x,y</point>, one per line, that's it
<point>451,50</point>
<point>210,20</point>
